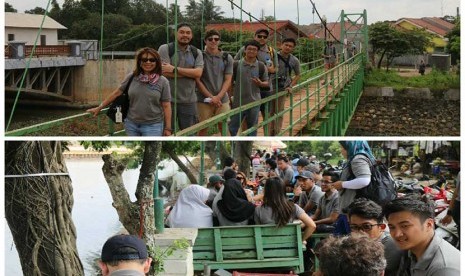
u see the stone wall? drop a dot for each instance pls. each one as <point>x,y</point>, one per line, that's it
<point>412,112</point>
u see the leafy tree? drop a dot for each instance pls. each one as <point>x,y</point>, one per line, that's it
<point>204,9</point>
<point>36,10</point>
<point>147,12</point>
<point>453,46</point>
<point>9,8</point>
<point>309,50</point>
<point>109,6</point>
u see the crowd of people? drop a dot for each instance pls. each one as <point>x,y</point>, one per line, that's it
<point>366,239</point>
<point>180,85</point>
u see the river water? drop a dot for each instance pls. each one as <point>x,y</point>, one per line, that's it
<point>93,215</point>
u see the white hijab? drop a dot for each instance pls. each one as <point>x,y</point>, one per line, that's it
<point>190,211</point>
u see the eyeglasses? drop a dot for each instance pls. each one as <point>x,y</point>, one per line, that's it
<point>262,36</point>
<point>239,178</point>
<point>213,38</point>
<point>363,227</point>
<point>326,182</point>
<point>152,60</point>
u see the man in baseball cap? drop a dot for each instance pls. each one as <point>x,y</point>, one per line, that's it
<point>124,255</point>
<point>309,193</point>
<point>215,182</point>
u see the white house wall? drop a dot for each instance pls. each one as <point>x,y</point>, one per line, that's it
<point>29,35</point>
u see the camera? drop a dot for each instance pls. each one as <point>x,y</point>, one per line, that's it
<point>282,81</point>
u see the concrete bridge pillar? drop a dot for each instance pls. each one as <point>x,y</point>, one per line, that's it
<point>17,49</point>
<point>75,48</point>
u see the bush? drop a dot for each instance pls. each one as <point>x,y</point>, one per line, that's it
<point>436,80</point>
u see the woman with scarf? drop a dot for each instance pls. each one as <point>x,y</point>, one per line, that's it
<point>190,210</point>
<point>230,205</point>
<point>277,209</point>
<point>149,111</point>
<point>356,172</point>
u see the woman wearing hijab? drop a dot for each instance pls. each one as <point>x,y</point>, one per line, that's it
<point>356,172</point>
<point>277,209</point>
<point>190,210</point>
<point>230,205</point>
<point>149,94</point>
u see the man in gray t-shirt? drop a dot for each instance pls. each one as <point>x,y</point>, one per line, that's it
<point>412,227</point>
<point>247,82</point>
<point>309,193</point>
<point>286,173</point>
<point>288,65</point>
<point>215,81</point>
<point>182,75</point>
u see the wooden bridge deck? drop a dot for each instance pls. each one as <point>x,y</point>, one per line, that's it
<point>300,111</point>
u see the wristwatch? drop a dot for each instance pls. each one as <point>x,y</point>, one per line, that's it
<point>174,70</point>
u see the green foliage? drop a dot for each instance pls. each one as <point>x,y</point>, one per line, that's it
<point>309,50</point>
<point>9,8</point>
<point>317,148</point>
<point>158,255</point>
<point>36,10</point>
<point>435,81</point>
<point>389,42</point>
<point>231,41</point>
<point>453,46</point>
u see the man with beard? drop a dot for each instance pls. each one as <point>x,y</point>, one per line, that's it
<point>182,75</point>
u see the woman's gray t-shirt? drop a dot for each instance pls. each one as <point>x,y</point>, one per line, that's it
<point>264,215</point>
<point>360,165</point>
<point>145,100</point>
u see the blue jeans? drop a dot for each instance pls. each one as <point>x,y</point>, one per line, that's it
<point>135,129</point>
<point>251,118</point>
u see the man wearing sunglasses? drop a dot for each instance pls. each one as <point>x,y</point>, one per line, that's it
<point>268,56</point>
<point>182,75</point>
<point>367,217</point>
<point>215,81</point>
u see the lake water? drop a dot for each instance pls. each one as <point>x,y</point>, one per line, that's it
<point>93,215</point>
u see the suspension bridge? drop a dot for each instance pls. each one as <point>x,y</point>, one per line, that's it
<point>322,104</point>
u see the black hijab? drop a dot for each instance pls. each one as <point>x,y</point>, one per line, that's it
<point>234,204</point>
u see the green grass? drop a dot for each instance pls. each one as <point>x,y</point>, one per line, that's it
<point>435,80</point>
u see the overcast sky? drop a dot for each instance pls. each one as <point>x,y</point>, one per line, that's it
<point>377,10</point>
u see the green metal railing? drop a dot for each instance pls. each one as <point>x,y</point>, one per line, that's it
<point>318,104</point>
<point>315,106</point>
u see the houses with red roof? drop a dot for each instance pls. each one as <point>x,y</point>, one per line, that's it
<point>284,28</point>
<point>434,25</point>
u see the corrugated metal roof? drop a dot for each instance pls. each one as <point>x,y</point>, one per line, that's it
<point>433,24</point>
<point>24,20</point>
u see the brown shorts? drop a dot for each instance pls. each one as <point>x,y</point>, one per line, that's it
<point>206,110</point>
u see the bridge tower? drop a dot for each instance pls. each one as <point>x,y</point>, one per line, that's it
<point>354,28</point>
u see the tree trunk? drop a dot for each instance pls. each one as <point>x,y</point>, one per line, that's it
<point>381,59</point>
<point>138,218</point>
<point>212,151</point>
<point>242,151</point>
<point>38,209</point>
<point>181,165</point>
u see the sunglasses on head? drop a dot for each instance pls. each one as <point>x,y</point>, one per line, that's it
<point>363,227</point>
<point>262,36</point>
<point>213,38</point>
<point>152,60</point>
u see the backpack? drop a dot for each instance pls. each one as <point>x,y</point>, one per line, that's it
<point>194,51</point>
<point>270,50</point>
<point>381,188</point>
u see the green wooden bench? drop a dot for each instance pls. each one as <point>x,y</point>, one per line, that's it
<point>317,237</point>
<point>250,246</point>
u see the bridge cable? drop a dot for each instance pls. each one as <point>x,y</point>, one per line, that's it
<point>28,63</point>
<point>100,82</point>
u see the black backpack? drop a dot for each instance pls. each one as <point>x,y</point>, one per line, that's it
<point>382,186</point>
<point>194,51</point>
